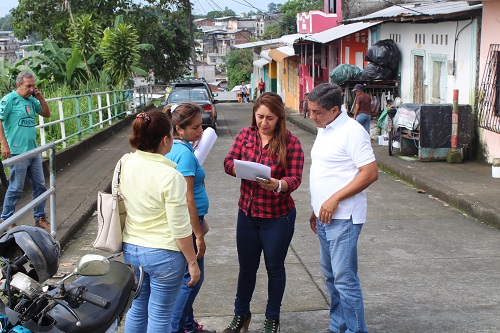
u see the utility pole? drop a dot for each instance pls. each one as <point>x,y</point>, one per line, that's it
<point>191,32</point>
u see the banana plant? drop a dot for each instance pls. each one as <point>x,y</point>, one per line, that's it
<point>53,64</point>
<point>7,83</point>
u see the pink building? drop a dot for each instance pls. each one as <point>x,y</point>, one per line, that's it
<point>488,106</point>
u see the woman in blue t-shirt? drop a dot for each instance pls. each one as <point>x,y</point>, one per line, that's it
<point>187,127</point>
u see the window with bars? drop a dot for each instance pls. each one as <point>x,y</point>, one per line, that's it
<point>497,85</point>
<point>489,93</point>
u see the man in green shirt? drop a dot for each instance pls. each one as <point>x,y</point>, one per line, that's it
<point>18,112</point>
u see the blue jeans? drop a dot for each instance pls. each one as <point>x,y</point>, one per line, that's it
<point>339,263</point>
<point>163,271</point>
<point>364,119</point>
<point>254,236</point>
<point>33,168</point>
<point>183,316</point>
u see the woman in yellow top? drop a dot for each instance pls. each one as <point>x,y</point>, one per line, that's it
<point>157,232</point>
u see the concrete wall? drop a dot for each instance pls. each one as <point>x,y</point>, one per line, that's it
<point>465,60</point>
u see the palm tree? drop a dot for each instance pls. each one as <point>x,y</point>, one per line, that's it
<point>120,50</point>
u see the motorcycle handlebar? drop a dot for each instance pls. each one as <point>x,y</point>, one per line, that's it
<point>84,295</point>
<point>96,300</point>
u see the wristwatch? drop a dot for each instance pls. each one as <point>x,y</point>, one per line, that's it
<point>278,189</point>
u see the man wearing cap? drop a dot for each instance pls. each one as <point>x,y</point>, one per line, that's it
<point>363,108</point>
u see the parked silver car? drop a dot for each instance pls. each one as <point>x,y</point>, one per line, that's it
<point>199,96</point>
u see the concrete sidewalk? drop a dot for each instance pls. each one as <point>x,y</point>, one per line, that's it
<point>468,186</point>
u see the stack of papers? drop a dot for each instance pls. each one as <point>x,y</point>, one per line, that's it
<point>250,170</point>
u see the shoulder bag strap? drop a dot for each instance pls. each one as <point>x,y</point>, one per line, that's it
<point>117,175</point>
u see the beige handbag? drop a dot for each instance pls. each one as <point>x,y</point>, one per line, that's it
<point>111,215</point>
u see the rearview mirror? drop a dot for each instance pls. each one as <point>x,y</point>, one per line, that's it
<point>92,265</point>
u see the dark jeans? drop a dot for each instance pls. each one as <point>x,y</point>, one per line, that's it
<point>254,236</point>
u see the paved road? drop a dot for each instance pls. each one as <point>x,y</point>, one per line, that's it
<point>424,266</point>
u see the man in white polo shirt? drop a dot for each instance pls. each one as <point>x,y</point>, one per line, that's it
<point>343,165</point>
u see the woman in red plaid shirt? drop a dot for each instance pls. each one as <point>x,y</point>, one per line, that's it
<point>266,216</point>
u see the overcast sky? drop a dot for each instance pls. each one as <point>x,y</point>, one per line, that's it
<point>201,7</point>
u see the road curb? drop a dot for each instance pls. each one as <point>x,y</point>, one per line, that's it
<point>459,200</point>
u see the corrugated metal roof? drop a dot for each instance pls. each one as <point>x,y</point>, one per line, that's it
<point>289,51</point>
<point>291,39</point>
<point>339,32</point>
<point>419,10</point>
<point>260,62</point>
<point>280,53</point>
<point>257,43</point>
<point>265,54</point>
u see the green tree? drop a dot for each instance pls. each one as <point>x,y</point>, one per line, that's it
<point>214,14</point>
<point>239,64</point>
<point>85,38</point>
<point>120,50</point>
<point>273,31</point>
<point>228,12</point>
<point>273,8</point>
<point>6,23</point>
<point>7,83</point>
<point>49,18</point>
<point>168,32</point>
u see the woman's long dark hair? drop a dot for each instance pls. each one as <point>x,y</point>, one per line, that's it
<point>277,144</point>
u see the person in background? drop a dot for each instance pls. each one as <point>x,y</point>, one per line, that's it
<point>262,86</point>
<point>244,92</point>
<point>266,210</point>
<point>18,113</point>
<point>363,108</point>
<point>187,128</point>
<point>343,166</point>
<point>157,233</point>
<point>168,90</point>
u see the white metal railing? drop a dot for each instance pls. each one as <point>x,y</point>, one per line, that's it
<point>81,115</point>
<point>51,191</point>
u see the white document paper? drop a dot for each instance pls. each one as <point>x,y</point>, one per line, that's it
<point>205,144</point>
<point>250,170</point>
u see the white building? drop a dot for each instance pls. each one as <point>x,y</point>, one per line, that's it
<point>9,46</point>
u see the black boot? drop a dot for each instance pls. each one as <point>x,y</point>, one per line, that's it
<point>271,326</point>
<point>239,323</point>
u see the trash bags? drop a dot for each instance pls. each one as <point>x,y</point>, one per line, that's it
<point>384,61</point>
<point>384,53</point>
<point>376,72</point>
<point>345,72</point>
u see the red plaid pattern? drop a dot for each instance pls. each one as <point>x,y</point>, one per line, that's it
<point>254,200</point>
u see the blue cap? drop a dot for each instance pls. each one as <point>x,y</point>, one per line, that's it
<point>358,87</point>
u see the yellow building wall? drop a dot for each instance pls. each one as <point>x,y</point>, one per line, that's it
<point>291,83</point>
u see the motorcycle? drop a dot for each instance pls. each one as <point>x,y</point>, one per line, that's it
<point>96,301</point>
